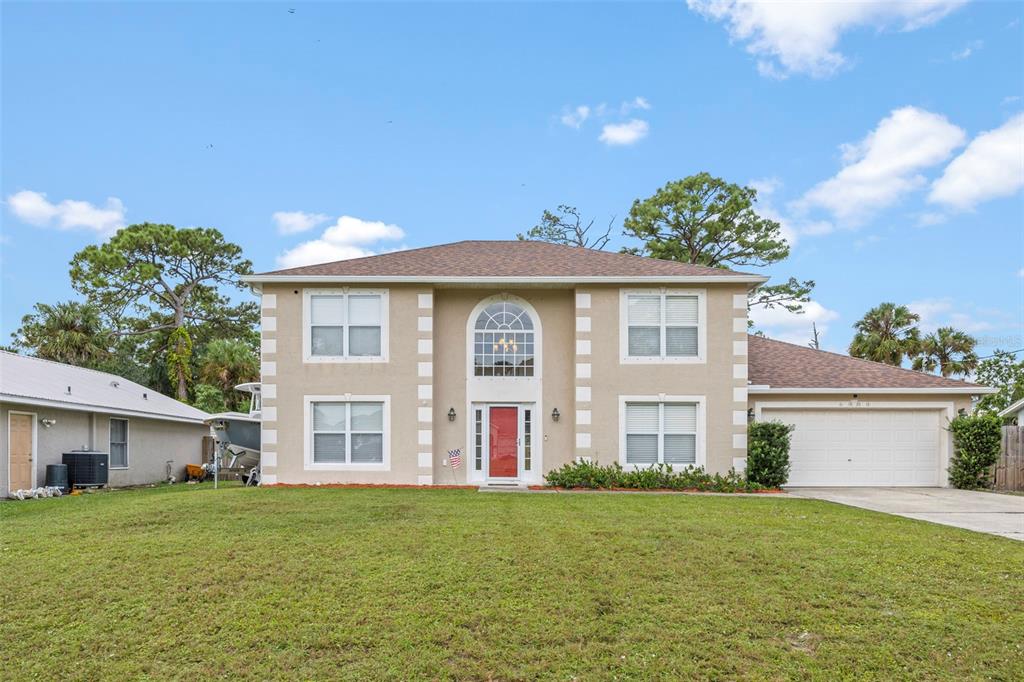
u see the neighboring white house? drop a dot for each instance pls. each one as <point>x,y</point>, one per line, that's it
<point>48,408</point>
<point>1014,411</point>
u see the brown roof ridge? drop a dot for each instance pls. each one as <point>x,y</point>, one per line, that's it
<point>869,363</point>
<point>525,257</point>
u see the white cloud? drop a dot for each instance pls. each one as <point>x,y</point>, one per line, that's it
<point>967,50</point>
<point>801,37</point>
<point>319,251</point>
<point>885,165</point>
<point>293,222</point>
<point>1020,273</point>
<point>946,312</point>
<point>624,133</point>
<point>791,227</point>
<point>992,166</point>
<point>349,230</point>
<point>34,208</point>
<point>636,103</point>
<point>779,323</point>
<point>346,239</point>
<point>574,118</point>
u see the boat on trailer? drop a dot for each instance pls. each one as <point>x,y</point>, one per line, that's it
<point>237,436</point>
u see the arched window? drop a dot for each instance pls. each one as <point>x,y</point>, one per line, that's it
<point>503,341</point>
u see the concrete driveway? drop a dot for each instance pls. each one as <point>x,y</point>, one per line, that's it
<point>983,512</point>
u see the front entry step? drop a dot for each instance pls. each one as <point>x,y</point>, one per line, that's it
<point>504,488</point>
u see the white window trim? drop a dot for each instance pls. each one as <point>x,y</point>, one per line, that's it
<point>307,421</point>
<point>701,453</point>
<point>702,327</point>
<point>307,354</point>
<point>127,443</point>
<point>35,446</point>
<point>538,342</point>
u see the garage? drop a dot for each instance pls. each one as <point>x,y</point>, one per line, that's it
<point>863,446</point>
<point>858,423</point>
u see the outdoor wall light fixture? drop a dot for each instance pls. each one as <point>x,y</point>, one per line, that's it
<point>47,423</point>
<point>451,414</point>
<point>555,414</point>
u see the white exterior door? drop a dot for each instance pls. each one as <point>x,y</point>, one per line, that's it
<point>863,447</point>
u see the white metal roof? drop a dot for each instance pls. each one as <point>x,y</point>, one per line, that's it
<point>53,384</point>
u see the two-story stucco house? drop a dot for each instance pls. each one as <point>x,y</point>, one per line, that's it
<point>526,355</point>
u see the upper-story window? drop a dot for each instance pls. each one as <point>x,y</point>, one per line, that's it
<point>662,325</point>
<point>503,341</point>
<point>345,325</point>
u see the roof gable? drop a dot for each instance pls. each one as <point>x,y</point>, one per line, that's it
<point>778,364</point>
<point>506,259</point>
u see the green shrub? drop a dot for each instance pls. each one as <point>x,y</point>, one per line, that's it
<point>975,449</point>
<point>656,477</point>
<point>768,453</point>
<point>209,399</point>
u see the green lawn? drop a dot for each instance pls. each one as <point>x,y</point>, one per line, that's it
<point>191,583</point>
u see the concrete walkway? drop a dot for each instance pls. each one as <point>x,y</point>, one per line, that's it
<point>992,513</point>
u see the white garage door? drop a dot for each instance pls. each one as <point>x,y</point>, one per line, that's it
<point>862,447</point>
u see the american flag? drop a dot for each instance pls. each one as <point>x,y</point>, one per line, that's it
<point>455,457</point>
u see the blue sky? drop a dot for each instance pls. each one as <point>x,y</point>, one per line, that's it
<point>887,138</point>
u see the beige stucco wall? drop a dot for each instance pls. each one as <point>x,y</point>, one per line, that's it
<point>151,443</point>
<point>423,386</point>
<point>291,379</point>
<point>452,310</point>
<point>714,379</point>
<point>427,374</point>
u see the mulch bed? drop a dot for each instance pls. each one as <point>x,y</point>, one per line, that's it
<point>687,491</point>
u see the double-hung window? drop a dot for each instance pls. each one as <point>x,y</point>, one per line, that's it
<point>118,443</point>
<point>661,433</point>
<point>663,325</point>
<point>346,325</point>
<point>347,433</point>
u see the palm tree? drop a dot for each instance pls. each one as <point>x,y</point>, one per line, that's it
<point>226,363</point>
<point>887,333</point>
<point>949,350</point>
<point>69,332</point>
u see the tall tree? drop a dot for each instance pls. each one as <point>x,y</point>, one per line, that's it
<point>705,220</point>
<point>70,332</point>
<point>949,350</point>
<point>565,226</point>
<point>887,333</point>
<point>227,363</point>
<point>1004,372</point>
<point>158,278</point>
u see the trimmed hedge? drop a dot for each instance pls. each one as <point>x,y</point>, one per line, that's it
<point>657,477</point>
<point>768,453</point>
<point>975,449</point>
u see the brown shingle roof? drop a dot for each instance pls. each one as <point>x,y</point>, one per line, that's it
<point>506,259</point>
<point>785,365</point>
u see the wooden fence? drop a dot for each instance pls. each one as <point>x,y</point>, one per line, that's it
<point>1008,472</point>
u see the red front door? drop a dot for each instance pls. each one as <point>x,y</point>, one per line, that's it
<point>504,455</point>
